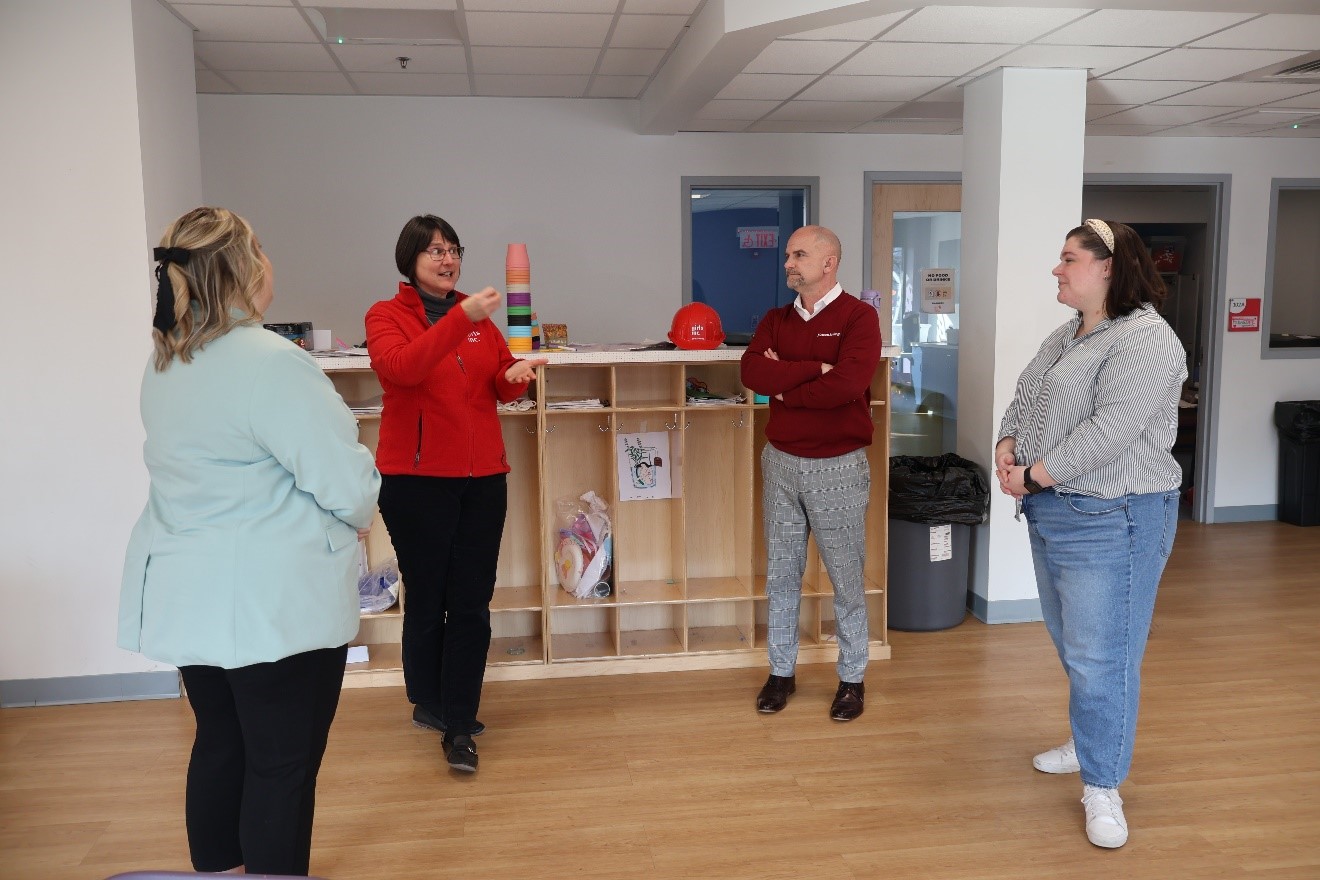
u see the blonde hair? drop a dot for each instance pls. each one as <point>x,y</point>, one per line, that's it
<point>224,271</point>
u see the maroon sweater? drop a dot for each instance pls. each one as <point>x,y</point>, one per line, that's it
<point>822,414</point>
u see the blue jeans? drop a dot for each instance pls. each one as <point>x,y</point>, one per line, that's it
<point>1098,566</point>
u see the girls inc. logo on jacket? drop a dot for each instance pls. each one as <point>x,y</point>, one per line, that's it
<point>474,336</point>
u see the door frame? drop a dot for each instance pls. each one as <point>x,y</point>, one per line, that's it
<point>1220,190</point>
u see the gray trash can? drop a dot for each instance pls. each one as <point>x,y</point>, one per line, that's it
<point>929,575</point>
<point>933,504</point>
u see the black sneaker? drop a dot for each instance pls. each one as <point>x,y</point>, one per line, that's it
<point>423,718</point>
<point>461,752</point>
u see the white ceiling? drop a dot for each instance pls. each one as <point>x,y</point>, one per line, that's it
<point>1167,71</point>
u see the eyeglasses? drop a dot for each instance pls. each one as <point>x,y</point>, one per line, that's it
<point>438,253</point>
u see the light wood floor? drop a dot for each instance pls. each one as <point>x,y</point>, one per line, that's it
<point>652,777</point>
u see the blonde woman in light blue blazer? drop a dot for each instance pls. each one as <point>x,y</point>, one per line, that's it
<point>242,569</point>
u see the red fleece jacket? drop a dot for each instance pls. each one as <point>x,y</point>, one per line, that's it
<point>822,414</point>
<point>441,383</point>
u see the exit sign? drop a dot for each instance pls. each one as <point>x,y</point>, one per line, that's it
<point>758,237</point>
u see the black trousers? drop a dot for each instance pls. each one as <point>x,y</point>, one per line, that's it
<point>446,533</point>
<point>261,733</point>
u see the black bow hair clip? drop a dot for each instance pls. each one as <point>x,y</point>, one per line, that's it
<point>164,320</point>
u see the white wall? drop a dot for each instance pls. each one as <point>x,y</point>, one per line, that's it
<point>73,271</point>
<point>328,183</point>
<point>1295,300</point>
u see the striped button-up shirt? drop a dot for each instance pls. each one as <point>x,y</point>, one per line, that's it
<point>1102,411</point>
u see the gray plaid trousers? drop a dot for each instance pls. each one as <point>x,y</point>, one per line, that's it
<point>825,497</point>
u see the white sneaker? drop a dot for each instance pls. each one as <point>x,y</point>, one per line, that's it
<point>1105,824</point>
<point>1058,760</point>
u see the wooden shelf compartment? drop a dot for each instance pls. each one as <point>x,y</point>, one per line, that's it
<point>721,626</point>
<point>647,386</point>
<point>587,633</point>
<point>524,598</point>
<point>649,630</point>
<point>570,382</point>
<point>648,547</point>
<point>722,379</point>
<point>516,638</point>
<point>720,502</point>
<point>519,566</point>
<point>715,589</point>
<point>384,665</point>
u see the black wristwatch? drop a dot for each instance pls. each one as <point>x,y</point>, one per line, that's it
<point>1032,486</point>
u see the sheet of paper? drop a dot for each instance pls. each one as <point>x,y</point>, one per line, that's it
<point>941,543</point>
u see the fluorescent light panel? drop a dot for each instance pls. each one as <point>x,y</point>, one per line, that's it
<point>394,27</point>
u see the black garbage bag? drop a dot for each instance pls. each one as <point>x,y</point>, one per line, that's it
<point>937,489</point>
<point>1298,419</point>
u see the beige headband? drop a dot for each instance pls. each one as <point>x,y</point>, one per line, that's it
<point>1101,228</point>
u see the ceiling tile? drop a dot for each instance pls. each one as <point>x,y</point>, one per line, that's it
<point>180,5</point>
<point>1100,111</point>
<point>1239,94</point>
<point>537,29</point>
<point>1162,115</point>
<point>262,24</point>
<point>400,83</point>
<point>1132,27</point>
<point>384,59</point>
<point>973,24</point>
<point>1311,99</point>
<point>290,83</point>
<point>494,59</point>
<point>872,88</point>
<point>713,125</point>
<point>863,29</point>
<point>1135,91</point>
<point>446,5</point>
<point>617,86</point>
<point>1099,129</point>
<point>265,56</point>
<point>765,86</point>
<point>852,112</point>
<point>209,83</point>
<point>505,86</point>
<point>541,5</point>
<point>1098,59</point>
<point>1267,119</point>
<point>800,56</point>
<point>1311,131</point>
<point>940,110</point>
<point>921,59</point>
<point>910,126</point>
<point>1300,32</point>
<point>631,62</point>
<point>1202,63</point>
<point>739,110</point>
<point>672,7</point>
<point>647,31</point>
<point>794,126</point>
<point>1210,131</point>
<point>951,92</point>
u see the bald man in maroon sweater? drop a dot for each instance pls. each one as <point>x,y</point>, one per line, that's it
<point>815,359</point>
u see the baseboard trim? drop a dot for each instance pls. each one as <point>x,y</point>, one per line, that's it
<point>90,689</point>
<point>1246,513</point>
<point>1007,610</point>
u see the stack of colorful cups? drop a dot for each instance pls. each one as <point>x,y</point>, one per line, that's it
<point>518,290</point>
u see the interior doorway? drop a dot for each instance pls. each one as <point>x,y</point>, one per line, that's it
<point>1181,223</point>
<point>916,246</point>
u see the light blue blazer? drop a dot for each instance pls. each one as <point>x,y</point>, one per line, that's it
<point>247,549</point>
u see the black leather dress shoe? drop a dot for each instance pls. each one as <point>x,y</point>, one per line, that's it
<point>774,695</point>
<point>424,718</point>
<point>848,700</point>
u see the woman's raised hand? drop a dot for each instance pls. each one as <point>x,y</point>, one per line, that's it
<point>524,371</point>
<point>482,305</point>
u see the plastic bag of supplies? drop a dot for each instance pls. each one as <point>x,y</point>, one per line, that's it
<point>583,546</point>
<point>378,589</point>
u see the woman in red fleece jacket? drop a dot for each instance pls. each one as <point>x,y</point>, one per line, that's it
<point>443,364</point>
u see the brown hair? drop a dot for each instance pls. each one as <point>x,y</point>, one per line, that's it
<point>416,237</point>
<point>224,271</point>
<point>1133,279</point>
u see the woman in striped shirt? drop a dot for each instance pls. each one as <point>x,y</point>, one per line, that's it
<point>1085,449</point>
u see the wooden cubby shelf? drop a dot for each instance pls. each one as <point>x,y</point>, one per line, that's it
<point>688,573</point>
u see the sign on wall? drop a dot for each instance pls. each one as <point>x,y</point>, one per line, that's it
<point>1244,314</point>
<point>758,238</point>
<point>937,291</point>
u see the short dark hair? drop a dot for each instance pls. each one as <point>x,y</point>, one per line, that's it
<point>1133,278</point>
<point>416,237</point>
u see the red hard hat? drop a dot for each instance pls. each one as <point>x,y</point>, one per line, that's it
<point>696,326</point>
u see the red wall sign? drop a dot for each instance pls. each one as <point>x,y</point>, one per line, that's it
<point>758,237</point>
<point>1244,315</point>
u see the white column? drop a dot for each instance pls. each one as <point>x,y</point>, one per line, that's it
<point>1023,140</point>
<point>100,146</point>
